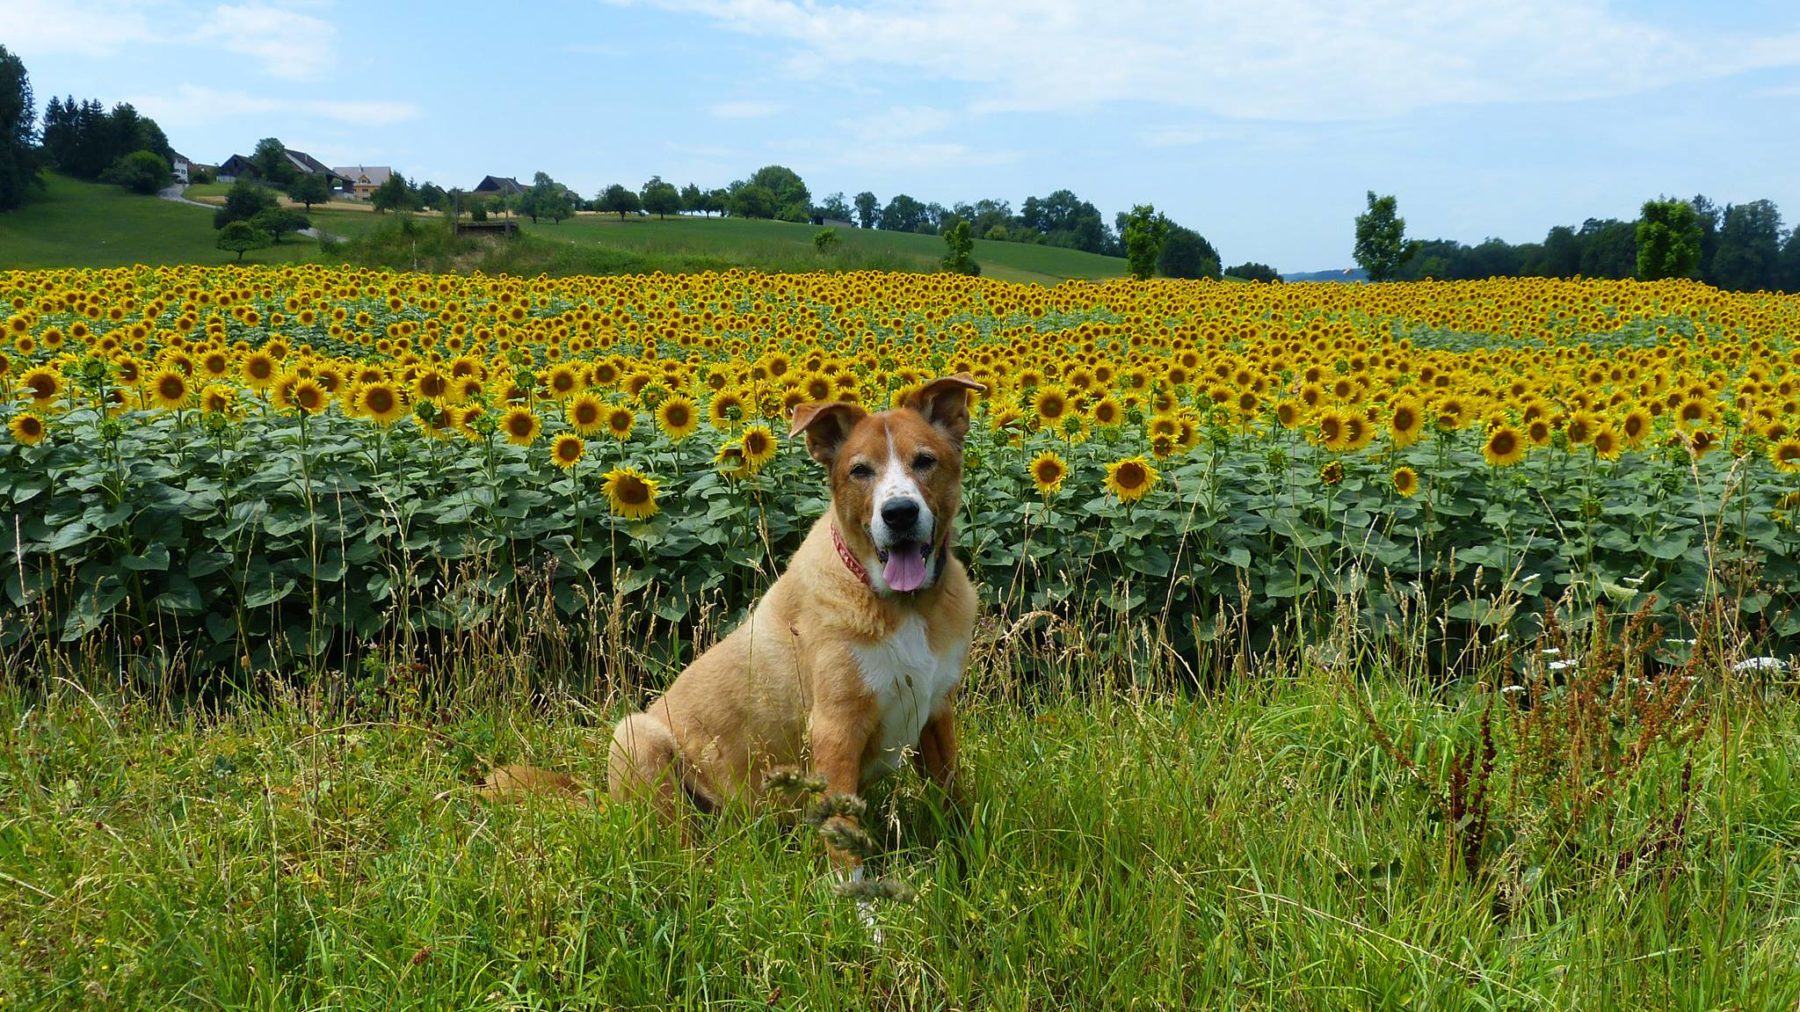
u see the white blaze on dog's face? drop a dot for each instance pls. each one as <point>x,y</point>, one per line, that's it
<point>896,477</point>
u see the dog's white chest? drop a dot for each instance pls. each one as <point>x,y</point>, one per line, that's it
<point>908,682</point>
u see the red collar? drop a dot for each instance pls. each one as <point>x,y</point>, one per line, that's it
<point>849,557</point>
<point>856,567</point>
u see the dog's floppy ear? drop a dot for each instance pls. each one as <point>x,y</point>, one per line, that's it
<point>826,424</point>
<point>945,403</point>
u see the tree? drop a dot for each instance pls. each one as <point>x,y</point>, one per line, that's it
<point>617,199</point>
<point>835,208</point>
<point>279,221</point>
<point>271,161</point>
<point>241,237</point>
<point>1790,263</point>
<point>83,140</point>
<point>1144,232</point>
<point>1187,254</point>
<point>1668,240</point>
<point>903,214</point>
<point>753,201</point>
<point>546,198</point>
<point>959,246</point>
<point>244,201</point>
<point>18,116</point>
<point>1253,271</point>
<point>142,172</point>
<point>790,193</point>
<point>866,213</point>
<point>1381,245</point>
<point>1561,255</point>
<point>1608,248</point>
<point>433,197</point>
<point>394,194</point>
<point>825,240</point>
<point>1749,247</point>
<point>718,201</point>
<point>1063,219</point>
<point>309,188</point>
<point>660,198</point>
<point>692,198</point>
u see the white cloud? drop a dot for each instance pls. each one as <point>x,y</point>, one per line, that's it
<point>194,105</point>
<point>82,27</point>
<point>287,44</point>
<point>746,109</point>
<point>1278,59</point>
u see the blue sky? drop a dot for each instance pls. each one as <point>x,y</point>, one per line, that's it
<point>1260,123</point>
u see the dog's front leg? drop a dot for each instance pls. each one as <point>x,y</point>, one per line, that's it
<point>936,755</point>
<point>838,743</point>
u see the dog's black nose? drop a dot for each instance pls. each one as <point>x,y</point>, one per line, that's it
<point>900,515</point>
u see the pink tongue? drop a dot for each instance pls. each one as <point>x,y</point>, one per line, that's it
<point>905,569</point>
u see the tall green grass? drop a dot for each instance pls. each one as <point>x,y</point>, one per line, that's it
<point>1285,838</point>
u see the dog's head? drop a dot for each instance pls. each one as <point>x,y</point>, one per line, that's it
<point>896,477</point>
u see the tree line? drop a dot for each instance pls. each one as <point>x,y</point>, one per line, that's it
<point>1737,247</point>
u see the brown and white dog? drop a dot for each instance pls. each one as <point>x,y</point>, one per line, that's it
<point>853,657</point>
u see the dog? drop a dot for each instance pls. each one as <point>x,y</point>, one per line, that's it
<point>852,659</point>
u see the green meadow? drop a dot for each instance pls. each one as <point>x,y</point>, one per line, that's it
<point>79,224</point>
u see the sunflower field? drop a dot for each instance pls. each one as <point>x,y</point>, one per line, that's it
<point>219,467</point>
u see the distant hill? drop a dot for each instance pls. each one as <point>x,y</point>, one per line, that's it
<point>1344,274</point>
<point>78,224</point>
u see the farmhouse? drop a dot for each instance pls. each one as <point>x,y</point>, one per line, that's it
<point>364,179</point>
<point>180,164</point>
<point>498,186</point>
<point>240,166</point>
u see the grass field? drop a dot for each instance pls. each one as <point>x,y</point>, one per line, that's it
<point>746,241</point>
<point>1253,848</point>
<point>78,224</point>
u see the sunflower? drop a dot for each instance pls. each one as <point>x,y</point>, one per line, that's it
<point>566,450</point>
<point>677,418</point>
<point>1332,472</point>
<point>630,493</point>
<point>1580,428</point>
<point>730,460</point>
<point>619,421</point>
<point>1606,442</point>
<point>259,369</point>
<point>562,381</point>
<point>726,409</point>
<point>1406,421</point>
<point>1700,442</point>
<point>1048,471</point>
<point>1635,427</point>
<point>1050,404</point>
<point>218,399</point>
<point>308,396</point>
<point>379,402</point>
<point>521,426</point>
<point>1505,446</point>
<point>1333,433</point>
<point>169,389</point>
<point>759,446</point>
<point>43,384</point>
<point>1786,455</point>
<point>1130,479</point>
<point>27,429</point>
<point>1406,482</point>
<point>1106,412</point>
<point>586,414</point>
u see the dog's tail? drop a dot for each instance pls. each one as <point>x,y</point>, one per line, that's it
<point>517,782</point>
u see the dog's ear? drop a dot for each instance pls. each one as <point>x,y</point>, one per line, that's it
<point>945,403</point>
<point>827,425</point>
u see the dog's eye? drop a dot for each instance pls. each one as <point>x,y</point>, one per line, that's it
<point>923,461</point>
<point>861,472</point>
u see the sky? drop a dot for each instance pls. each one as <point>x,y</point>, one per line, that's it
<point>1260,123</point>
